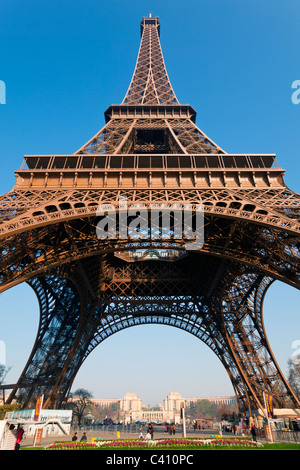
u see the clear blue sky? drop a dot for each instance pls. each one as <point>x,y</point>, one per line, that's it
<point>64,63</point>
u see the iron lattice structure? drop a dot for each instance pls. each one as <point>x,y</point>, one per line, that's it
<point>150,151</point>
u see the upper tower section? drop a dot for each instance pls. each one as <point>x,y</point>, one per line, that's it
<point>150,83</point>
<point>150,140</point>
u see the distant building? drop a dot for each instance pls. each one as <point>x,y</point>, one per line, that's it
<point>132,409</point>
<point>131,403</point>
<point>104,402</point>
<point>217,400</point>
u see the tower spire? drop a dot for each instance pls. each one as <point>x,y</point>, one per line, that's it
<point>150,83</point>
<point>150,119</point>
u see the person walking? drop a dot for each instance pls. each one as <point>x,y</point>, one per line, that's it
<point>151,431</point>
<point>253,432</point>
<point>174,429</point>
<point>19,438</point>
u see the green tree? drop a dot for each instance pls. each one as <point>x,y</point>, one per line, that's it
<point>191,410</point>
<point>202,409</point>
<point>207,408</point>
<point>7,408</point>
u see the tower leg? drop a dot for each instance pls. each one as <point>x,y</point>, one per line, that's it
<point>257,369</point>
<point>56,351</point>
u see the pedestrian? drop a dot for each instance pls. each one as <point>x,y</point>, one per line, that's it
<point>20,433</point>
<point>83,438</point>
<point>74,438</point>
<point>150,431</point>
<point>170,429</point>
<point>253,432</point>
<point>174,429</point>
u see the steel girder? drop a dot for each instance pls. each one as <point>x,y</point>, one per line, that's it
<point>275,253</point>
<point>23,211</point>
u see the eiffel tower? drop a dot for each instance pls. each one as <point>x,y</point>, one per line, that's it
<point>150,152</point>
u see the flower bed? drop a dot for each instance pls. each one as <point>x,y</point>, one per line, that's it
<point>160,443</point>
<point>206,442</point>
<point>72,446</point>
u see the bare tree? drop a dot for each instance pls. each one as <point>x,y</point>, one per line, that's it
<point>294,374</point>
<point>3,373</point>
<point>80,400</point>
<point>108,411</point>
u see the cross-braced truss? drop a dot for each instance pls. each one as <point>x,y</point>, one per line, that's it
<point>150,152</point>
